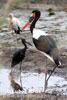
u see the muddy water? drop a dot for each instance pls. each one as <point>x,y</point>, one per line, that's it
<point>33,82</point>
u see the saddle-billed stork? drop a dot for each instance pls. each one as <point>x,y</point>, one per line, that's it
<point>15,24</point>
<point>42,41</point>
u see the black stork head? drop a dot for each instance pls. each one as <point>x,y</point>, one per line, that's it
<point>35,15</point>
<point>24,42</point>
<point>33,18</point>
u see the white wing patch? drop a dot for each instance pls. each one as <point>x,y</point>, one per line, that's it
<point>48,56</point>
<point>37,33</point>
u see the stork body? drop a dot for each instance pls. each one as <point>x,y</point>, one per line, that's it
<point>46,45</point>
<point>15,24</point>
<point>18,57</point>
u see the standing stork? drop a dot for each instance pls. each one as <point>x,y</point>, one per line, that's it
<point>15,25</point>
<point>19,55</point>
<point>42,41</point>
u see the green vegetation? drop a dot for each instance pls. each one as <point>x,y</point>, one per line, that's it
<point>57,41</point>
<point>6,44</point>
<point>51,13</point>
<point>20,1</point>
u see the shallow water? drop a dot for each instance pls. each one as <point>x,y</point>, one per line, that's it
<point>32,82</point>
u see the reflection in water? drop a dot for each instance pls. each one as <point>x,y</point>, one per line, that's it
<point>15,86</point>
<point>32,82</point>
<point>4,82</point>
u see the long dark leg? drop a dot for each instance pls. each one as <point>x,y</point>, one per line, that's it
<point>16,39</point>
<point>13,35</point>
<point>16,36</point>
<point>51,73</point>
<point>45,84</point>
<point>20,74</point>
